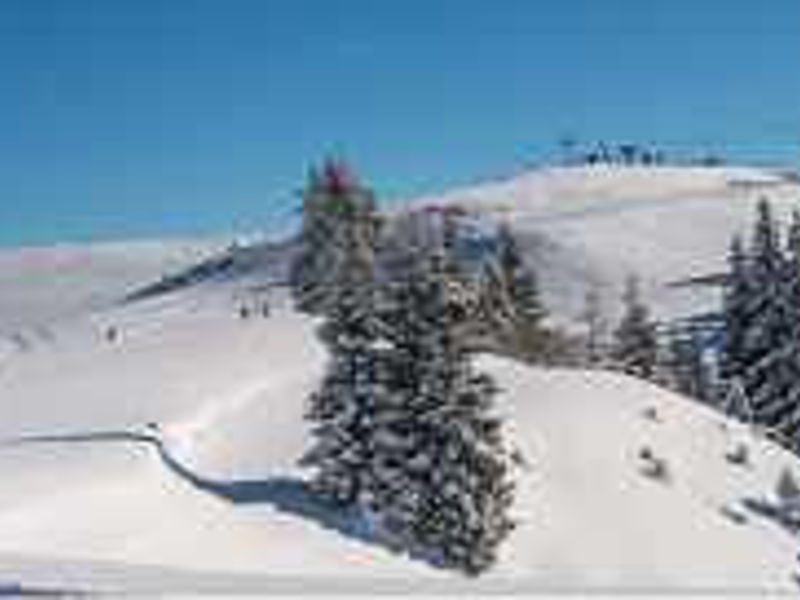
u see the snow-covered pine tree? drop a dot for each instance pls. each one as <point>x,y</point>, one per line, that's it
<point>513,289</point>
<point>521,280</point>
<point>439,484</point>
<point>689,373</point>
<point>768,348</point>
<point>775,379</point>
<point>595,346</point>
<point>311,261</point>
<point>635,349</point>
<point>333,203</point>
<point>340,410</point>
<point>736,314</point>
<point>790,420</point>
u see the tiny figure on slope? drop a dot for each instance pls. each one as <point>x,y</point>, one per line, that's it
<point>111,334</point>
<point>651,414</point>
<point>653,466</point>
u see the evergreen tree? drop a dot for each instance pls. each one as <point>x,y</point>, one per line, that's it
<point>514,294</point>
<point>736,313</point>
<point>596,327</point>
<point>773,380</point>
<point>333,205</point>
<point>439,481</point>
<point>690,375</point>
<point>635,342</point>
<point>790,420</point>
<point>340,409</point>
<point>761,353</point>
<point>521,279</point>
<point>766,367</point>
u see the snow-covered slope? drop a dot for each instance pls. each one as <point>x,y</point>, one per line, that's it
<point>94,497</point>
<point>163,459</point>
<point>39,285</point>
<point>596,225</point>
<point>583,228</point>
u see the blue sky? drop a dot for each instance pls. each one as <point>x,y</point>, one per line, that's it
<point>164,117</point>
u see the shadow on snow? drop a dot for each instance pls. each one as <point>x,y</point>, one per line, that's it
<point>289,495</point>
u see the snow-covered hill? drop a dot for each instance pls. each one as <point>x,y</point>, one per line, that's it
<point>163,458</point>
<point>584,228</point>
<point>593,226</point>
<point>39,285</point>
<point>93,496</point>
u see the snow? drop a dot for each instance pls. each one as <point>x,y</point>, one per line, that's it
<point>44,284</point>
<point>165,461</point>
<point>227,397</point>
<point>597,520</point>
<point>593,226</point>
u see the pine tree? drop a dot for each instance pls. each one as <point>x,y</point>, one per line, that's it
<point>790,419</point>
<point>736,312</point>
<point>690,375</point>
<point>514,292</point>
<point>766,369</point>
<point>773,380</point>
<point>761,353</point>
<point>521,279</point>
<point>635,342</point>
<point>311,261</point>
<point>333,204</point>
<point>596,327</point>
<point>340,409</point>
<point>439,482</point>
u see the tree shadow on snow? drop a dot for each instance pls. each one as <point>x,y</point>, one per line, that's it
<point>288,495</point>
<point>786,517</point>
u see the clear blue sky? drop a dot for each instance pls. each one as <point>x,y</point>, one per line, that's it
<point>152,117</point>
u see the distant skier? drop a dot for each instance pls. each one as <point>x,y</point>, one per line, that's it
<point>112,334</point>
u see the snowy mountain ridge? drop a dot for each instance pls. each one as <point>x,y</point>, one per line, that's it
<point>588,228</point>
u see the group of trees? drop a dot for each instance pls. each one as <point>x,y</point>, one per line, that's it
<point>403,425</point>
<point>627,153</point>
<point>606,153</point>
<point>402,422</point>
<point>668,355</point>
<point>760,358</point>
<point>756,375</point>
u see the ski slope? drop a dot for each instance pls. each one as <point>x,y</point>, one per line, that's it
<point>593,226</point>
<point>93,496</point>
<point>164,461</point>
<point>42,285</point>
